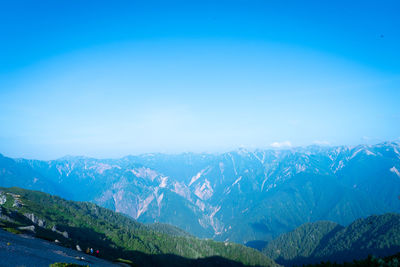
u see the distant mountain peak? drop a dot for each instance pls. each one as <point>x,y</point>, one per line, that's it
<point>72,158</point>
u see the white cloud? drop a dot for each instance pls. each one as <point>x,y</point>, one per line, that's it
<point>322,142</point>
<point>281,144</point>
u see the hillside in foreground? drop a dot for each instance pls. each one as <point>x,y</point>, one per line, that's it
<point>328,241</point>
<point>115,235</point>
<point>371,261</point>
<point>25,250</point>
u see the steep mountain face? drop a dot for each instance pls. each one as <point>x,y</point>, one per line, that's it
<point>328,241</point>
<point>239,196</point>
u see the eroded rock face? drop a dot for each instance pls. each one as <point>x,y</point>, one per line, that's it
<point>64,234</point>
<point>27,228</point>
<point>41,223</point>
<point>3,198</point>
<point>17,203</point>
<point>31,217</point>
<point>35,219</point>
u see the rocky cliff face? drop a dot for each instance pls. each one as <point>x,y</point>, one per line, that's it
<point>34,219</point>
<point>238,196</point>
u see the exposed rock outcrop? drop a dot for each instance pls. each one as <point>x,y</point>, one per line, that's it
<point>64,234</point>
<point>3,198</point>
<point>35,219</point>
<point>17,203</point>
<point>27,228</point>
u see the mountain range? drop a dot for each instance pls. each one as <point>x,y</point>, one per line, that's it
<point>244,196</point>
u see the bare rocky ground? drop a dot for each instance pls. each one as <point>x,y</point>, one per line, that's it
<point>25,250</point>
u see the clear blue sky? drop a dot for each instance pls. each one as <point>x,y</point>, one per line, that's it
<point>110,78</point>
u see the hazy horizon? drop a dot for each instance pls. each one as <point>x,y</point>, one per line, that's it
<point>107,80</point>
<point>272,147</point>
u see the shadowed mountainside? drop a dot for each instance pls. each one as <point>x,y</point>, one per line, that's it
<point>115,235</point>
<point>328,241</point>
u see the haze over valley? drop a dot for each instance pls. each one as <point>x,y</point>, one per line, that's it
<point>241,196</point>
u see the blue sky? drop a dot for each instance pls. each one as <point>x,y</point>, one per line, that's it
<point>107,79</point>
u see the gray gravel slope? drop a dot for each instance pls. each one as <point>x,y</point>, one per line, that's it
<point>24,250</point>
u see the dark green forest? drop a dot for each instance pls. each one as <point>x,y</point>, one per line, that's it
<point>377,235</point>
<point>118,236</point>
<point>390,261</point>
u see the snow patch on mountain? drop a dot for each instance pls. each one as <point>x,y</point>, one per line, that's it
<point>287,171</point>
<point>200,204</point>
<point>396,152</point>
<point>160,198</point>
<point>229,188</point>
<point>233,163</point>
<point>265,179</point>
<point>237,181</point>
<point>356,153</point>
<point>394,170</point>
<point>67,168</point>
<point>363,149</point>
<point>339,166</point>
<point>270,186</point>
<point>369,153</point>
<point>260,159</point>
<point>163,183</point>
<point>300,168</point>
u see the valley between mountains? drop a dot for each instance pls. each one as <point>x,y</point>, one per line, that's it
<point>297,206</point>
<point>243,196</point>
